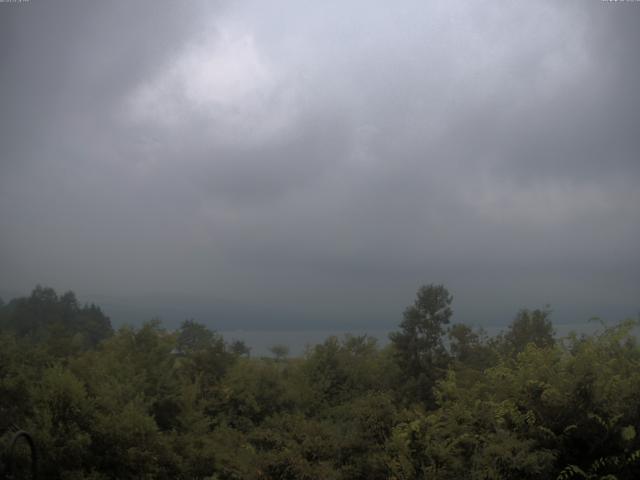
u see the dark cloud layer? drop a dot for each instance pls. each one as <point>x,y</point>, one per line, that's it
<point>320,163</point>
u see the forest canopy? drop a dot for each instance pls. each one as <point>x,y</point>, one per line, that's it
<point>442,400</point>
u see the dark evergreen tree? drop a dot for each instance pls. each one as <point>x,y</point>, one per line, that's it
<point>530,326</point>
<point>58,320</point>
<point>419,346</point>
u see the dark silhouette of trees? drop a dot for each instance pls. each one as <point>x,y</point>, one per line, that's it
<point>530,326</point>
<point>280,352</point>
<point>419,347</point>
<point>45,315</point>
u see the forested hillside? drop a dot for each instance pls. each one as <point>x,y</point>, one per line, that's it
<point>442,401</point>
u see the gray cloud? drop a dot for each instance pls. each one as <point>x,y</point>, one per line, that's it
<point>324,159</point>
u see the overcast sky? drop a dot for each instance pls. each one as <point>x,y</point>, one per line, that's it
<point>324,159</point>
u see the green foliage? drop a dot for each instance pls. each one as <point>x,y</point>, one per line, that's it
<point>470,351</point>
<point>239,348</point>
<point>280,352</point>
<point>154,404</point>
<point>60,320</point>
<point>253,391</point>
<point>419,347</point>
<point>339,370</point>
<point>529,327</point>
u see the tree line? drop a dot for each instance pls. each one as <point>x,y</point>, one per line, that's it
<point>442,400</point>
